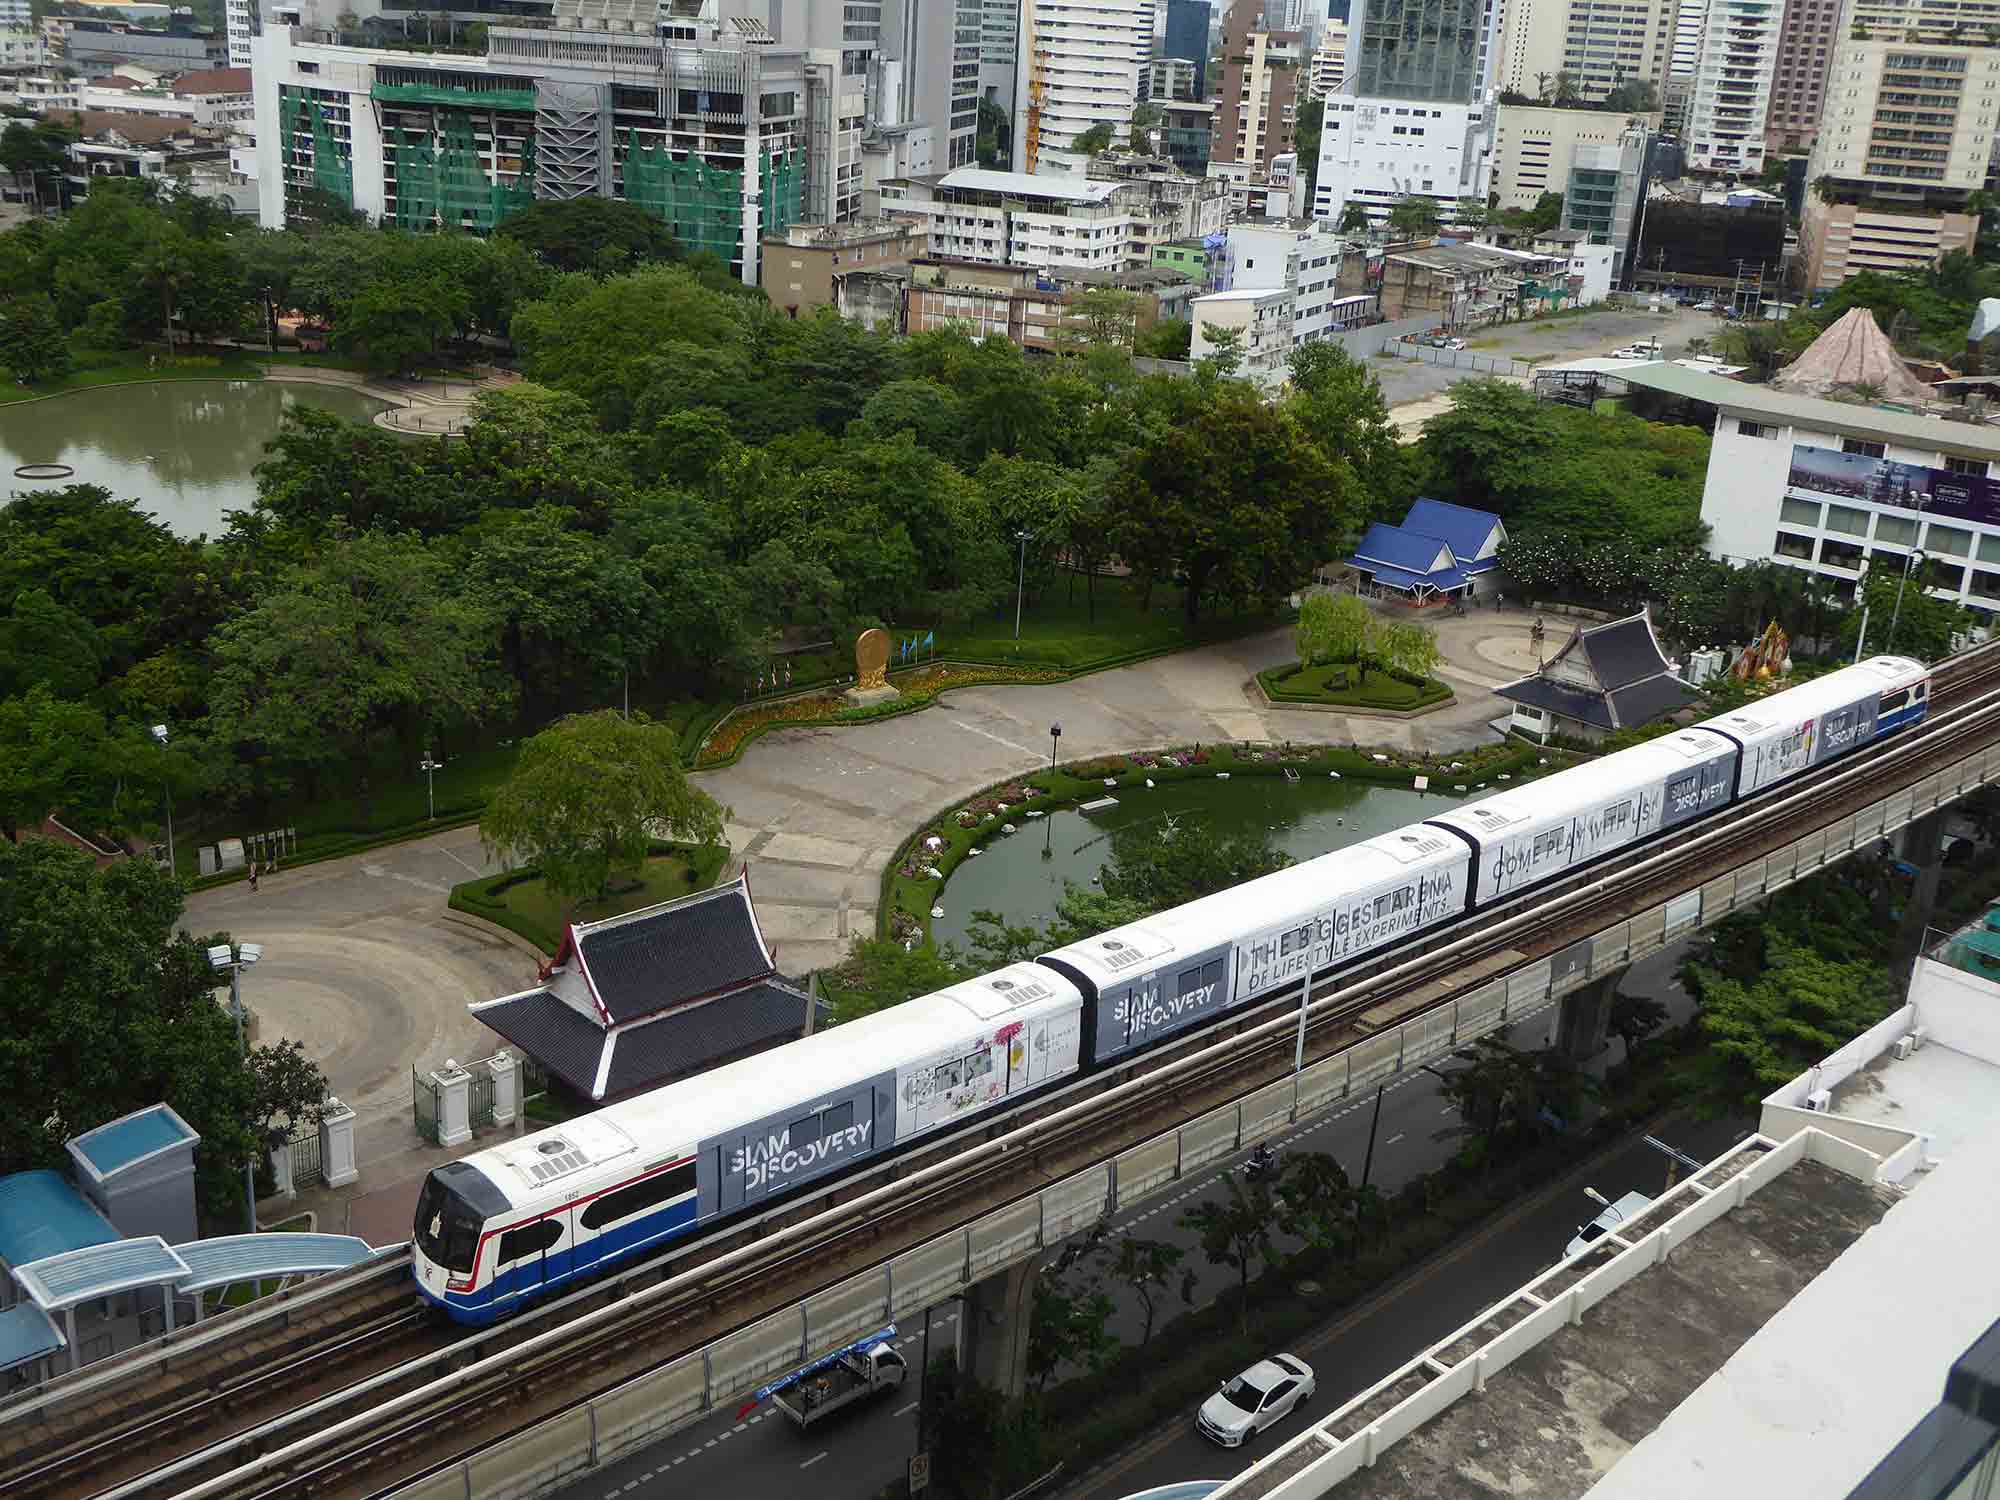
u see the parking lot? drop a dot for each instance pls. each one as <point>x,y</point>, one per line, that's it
<point>1546,341</point>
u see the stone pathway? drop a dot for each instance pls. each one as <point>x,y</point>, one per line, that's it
<point>433,406</point>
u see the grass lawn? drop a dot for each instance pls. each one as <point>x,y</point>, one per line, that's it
<point>1059,629</point>
<point>521,902</point>
<point>1336,685</point>
<point>121,370</point>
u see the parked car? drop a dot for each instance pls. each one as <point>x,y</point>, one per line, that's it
<point>1269,1390</point>
<point>1453,344</point>
<point>1627,1207</point>
<point>1704,307</point>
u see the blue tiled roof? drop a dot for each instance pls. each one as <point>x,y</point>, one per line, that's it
<point>1402,578</point>
<point>252,1257</point>
<point>42,1215</point>
<point>1460,527</point>
<point>124,1141</point>
<point>26,1333</point>
<point>1398,547</point>
<point>99,1271</point>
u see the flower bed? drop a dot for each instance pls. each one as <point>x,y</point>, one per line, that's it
<point>1345,685</point>
<point>918,689</point>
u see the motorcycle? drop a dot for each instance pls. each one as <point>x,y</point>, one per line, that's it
<point>1263,1162</point>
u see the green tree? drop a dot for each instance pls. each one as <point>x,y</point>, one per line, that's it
<point>995,141</point>
<point>1316,1203</point>
<point>1109,315</point>
<point>1095,141</point>
<point>1351,630</point>
<point>1306,131</point>
<point>1236,498</point>
<point>1503,1094</point>
<point>32,345</point>
<point>1225,351</point>
<point>1923,623</point>
<point>1409,647</point>
<point>365,648</point>
<point>881,972</point>
<point>1471,213</point>
<point>322,472</point>
<point>1168,338</point>
<point>1313,636</point>
<point>56,755</point>
<point>1353,217</point>
<point>588,797</point>
<point>1069,1327</point>
<point>106,1008</point>
<point>1547,212</point>
<point>1633,1018</point>
<point>1148,1268</point>
<point>1337,399</point>
<point>1235,1232</point>
<point>590,233</point>
<point>44,642</point>
<point>1414,217</point>
<point>397,322</point>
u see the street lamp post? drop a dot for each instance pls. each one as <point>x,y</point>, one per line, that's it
<point>1055,734</point>
<point>160,734</point>
<point>1914,561</point>
<point>222,959</point>
<point>1596,1197</point>
<point>1861,593</point>
<point>430,766</point>
<point>1021,582</point>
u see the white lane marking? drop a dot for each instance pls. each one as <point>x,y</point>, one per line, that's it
<point>647,1477</point>
<point>904,1411</point>
<point>1395,1138</point>
<point>632,1486</point>
<point>679,1461</point>
<point>814,1459</point>
<point>713,1441</point>
<point>739,1427</point>
<point>997,739</point>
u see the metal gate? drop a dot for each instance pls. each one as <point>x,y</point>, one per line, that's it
<point>479,1099</point>
<point>307,1168</point>
<point>424,1105</point>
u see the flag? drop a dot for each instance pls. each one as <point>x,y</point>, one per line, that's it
<point>931,640</point>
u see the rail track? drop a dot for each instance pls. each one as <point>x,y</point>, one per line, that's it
<point>425,1396</point>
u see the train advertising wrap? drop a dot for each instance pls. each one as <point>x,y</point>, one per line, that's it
<point>804,1142</point>
<point>1357,923</point>
<point>1136,1012</point>
<point>1698,790</point>
<point>1777,748</point>
<point>1546,846</point>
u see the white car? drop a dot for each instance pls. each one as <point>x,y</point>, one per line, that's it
<point>1628,1207</point>
<point>1270,1389</point>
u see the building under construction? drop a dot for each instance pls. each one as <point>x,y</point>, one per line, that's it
<point>725,138</point>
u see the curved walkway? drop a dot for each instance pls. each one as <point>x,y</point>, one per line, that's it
<point>363,966</point>
<point>436,407</point>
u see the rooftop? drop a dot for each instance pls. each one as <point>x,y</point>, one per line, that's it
<point>126,1141</point>
<point>1245,294</point>
<point>1027,185</point>
<point>41,1215</point>
<point>1776,1324</point>
<point>209,81</point>
<point>1848,418</point>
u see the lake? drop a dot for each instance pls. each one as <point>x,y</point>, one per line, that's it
<point>183,449</point>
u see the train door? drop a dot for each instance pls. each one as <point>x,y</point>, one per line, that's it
<point>561,1256</point>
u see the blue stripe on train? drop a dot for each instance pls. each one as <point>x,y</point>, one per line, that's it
<point>1901,718</point>
<point>522,1282</point>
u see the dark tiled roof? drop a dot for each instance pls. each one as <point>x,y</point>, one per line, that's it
<point>702,1036</point>
<point>1643,702</point>
<point>1624,708</point>
<point>552,1033</point>
<point>1623,652</point>
<point>650,961</point>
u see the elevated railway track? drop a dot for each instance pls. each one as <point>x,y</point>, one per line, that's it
<point>367,1409</point>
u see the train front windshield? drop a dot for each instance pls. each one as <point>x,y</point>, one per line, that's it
<point>447,1229</point>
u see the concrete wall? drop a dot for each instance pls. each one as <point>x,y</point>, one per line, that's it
<point>1959,1010</point>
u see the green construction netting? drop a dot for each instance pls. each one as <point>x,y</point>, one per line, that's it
<point>703,205</point>
<point>332,164</point>
<point>441,179</point>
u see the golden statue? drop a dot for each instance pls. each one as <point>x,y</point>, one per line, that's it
<point>871,660</point>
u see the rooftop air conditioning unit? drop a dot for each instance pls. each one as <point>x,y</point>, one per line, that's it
<point>1919,1037</point>
<point>1820,1101</point>
<point>1905,1045</point>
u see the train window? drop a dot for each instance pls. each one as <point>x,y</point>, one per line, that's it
<point>1893,701</point>
<point>837,1119</point>
<point>637,1197</point>
<point>978,1066</point>
<point>1921,691</point>
<point>803,1129</point>
<point>1212,973</point>
<point>447,1229</point>
<point>949,1074</point>
<point>1189,982</point>
<point>529,1240</point>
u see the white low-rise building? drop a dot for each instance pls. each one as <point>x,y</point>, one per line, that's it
<point>1263,317</point>
<point>1824,486</point>
<point>1377,152</point>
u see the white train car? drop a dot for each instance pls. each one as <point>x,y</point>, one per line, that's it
<point>1806,726</point>
<point>1536,831</point>
<point>504,1225</point>
<point>1149,980</point>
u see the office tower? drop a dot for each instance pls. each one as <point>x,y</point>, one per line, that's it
<point>1187,37</point>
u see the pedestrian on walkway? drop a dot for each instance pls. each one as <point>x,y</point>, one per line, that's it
<point>253,877</point>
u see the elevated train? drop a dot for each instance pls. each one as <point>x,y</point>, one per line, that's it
<point>501,1227</point>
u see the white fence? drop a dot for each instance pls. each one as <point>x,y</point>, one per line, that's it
<point>541,1459</point>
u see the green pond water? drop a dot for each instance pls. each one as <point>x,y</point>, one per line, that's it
<point>1021,876</point>
<point>183,449</point>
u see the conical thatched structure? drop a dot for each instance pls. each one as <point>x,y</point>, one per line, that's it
<point>1853,352</point>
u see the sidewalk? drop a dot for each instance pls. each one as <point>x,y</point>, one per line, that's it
<point>436,407</point>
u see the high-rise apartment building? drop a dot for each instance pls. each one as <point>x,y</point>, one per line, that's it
<point>1414,117</point>
<point>935,46</point>
<point>1184,34</point>
<point>1906,138</point>
<point>1079,64</point>
<point>1328,68</point>
<point>1798,86</point>
<point>1596,45</point>
<point>1257,110</point>
<point>1729,105</point>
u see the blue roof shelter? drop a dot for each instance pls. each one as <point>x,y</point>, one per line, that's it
<point>139,1169</point>
<point>42,1215</point>
<point>27,1337</point>
<point>1440,550</point>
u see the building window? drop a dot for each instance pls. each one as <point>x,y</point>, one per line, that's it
<point>1855,445</point>
<point>1839,554</point>
<point>1751,429</point>
<point>1900,530</point>
<point>1975,467</point>
<point>1799,548</point>
<point>1949,539</point>
<point>1846,518</point>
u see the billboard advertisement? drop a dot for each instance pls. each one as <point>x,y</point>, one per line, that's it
<point>1825,474</point>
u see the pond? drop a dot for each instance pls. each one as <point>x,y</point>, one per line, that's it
<point>183,449</point>
<point>1305,818</point>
